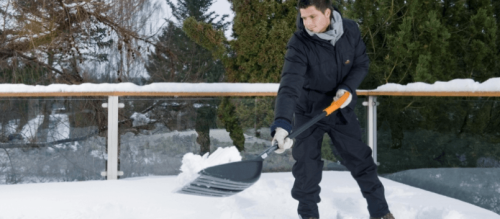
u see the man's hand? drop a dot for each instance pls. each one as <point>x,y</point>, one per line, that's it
<point>339,94</point>
<point>283,142</point>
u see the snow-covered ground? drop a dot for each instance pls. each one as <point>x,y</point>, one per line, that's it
<point>478,186</point>
<point>153,197</point>
<point>156,197</point>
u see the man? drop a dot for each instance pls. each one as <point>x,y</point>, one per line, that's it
<point>325,58</point>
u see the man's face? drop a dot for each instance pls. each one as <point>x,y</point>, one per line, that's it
<point>314,20</point>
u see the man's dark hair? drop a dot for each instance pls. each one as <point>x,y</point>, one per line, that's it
<point>321,5</point>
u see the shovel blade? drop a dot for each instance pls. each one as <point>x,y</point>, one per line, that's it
<point>231,178</point>
<point>225,179</point>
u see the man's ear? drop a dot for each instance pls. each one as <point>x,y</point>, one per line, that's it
<point>328,12</point>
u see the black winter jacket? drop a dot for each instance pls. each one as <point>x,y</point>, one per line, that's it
<point>314,70</point>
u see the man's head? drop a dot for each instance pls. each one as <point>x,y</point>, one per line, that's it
<point>315,14</point>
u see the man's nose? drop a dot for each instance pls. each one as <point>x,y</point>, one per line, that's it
<point>308,24</point>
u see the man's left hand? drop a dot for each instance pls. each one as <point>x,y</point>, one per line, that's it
<point>339,94</point>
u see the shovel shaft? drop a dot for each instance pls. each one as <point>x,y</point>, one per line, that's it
<point>329,110</point>
<point>294,134</point>
<point>267,152</point>
<point>307,125</point>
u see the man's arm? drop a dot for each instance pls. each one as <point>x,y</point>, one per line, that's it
<point>360,65</point>
<point>292,80</point>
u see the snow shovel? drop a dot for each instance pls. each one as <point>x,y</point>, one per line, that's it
<point>228,179</point>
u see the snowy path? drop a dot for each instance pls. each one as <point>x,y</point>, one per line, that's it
<point>152,197</point>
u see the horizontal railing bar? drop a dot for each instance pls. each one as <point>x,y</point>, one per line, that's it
<point>226,89</point>
<point>143,94</point>
<point>428,93</point>
<point>240,94</point>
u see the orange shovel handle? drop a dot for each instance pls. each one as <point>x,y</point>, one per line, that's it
<point>336,104</point>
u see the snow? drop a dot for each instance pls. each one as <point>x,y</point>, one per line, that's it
<point>29,130</point>
<point>139,119</point>
<point>156,197</point>
<point>153,197</point>
<point>458,85</point>
<point>12,126</point>
<point>130,87</point>
<point>58,127</point>
<point>478,186</point>
<point>192,164</point>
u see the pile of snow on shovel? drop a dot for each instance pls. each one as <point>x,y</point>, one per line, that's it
<point>192,163</point>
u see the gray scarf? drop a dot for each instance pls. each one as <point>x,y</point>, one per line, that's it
<point>335,32</point>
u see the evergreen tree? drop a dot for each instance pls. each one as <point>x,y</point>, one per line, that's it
<point>426,41</point>
<point>407,41</point>
<point>179,59</point>
<point>429,41</point>
<point>261,30</point>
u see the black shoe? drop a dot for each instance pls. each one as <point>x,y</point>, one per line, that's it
<point>387,216</point>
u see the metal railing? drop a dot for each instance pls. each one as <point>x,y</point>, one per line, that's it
<point>113,105</point>
<point>372,104</point>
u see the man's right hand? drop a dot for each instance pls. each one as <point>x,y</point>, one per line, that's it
<point>283,142</point>
<point>339,94</point>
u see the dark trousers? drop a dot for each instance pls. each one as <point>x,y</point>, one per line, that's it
<point>344,129</point>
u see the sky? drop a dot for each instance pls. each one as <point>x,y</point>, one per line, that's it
<point>155,197</point>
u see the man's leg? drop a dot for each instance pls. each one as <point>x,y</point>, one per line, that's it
<point>308,168</point>
<point>357,157</point>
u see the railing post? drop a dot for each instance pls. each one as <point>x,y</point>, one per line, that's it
<point>112,173</point>
<point>112,162</point>
<point>372,125</point>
